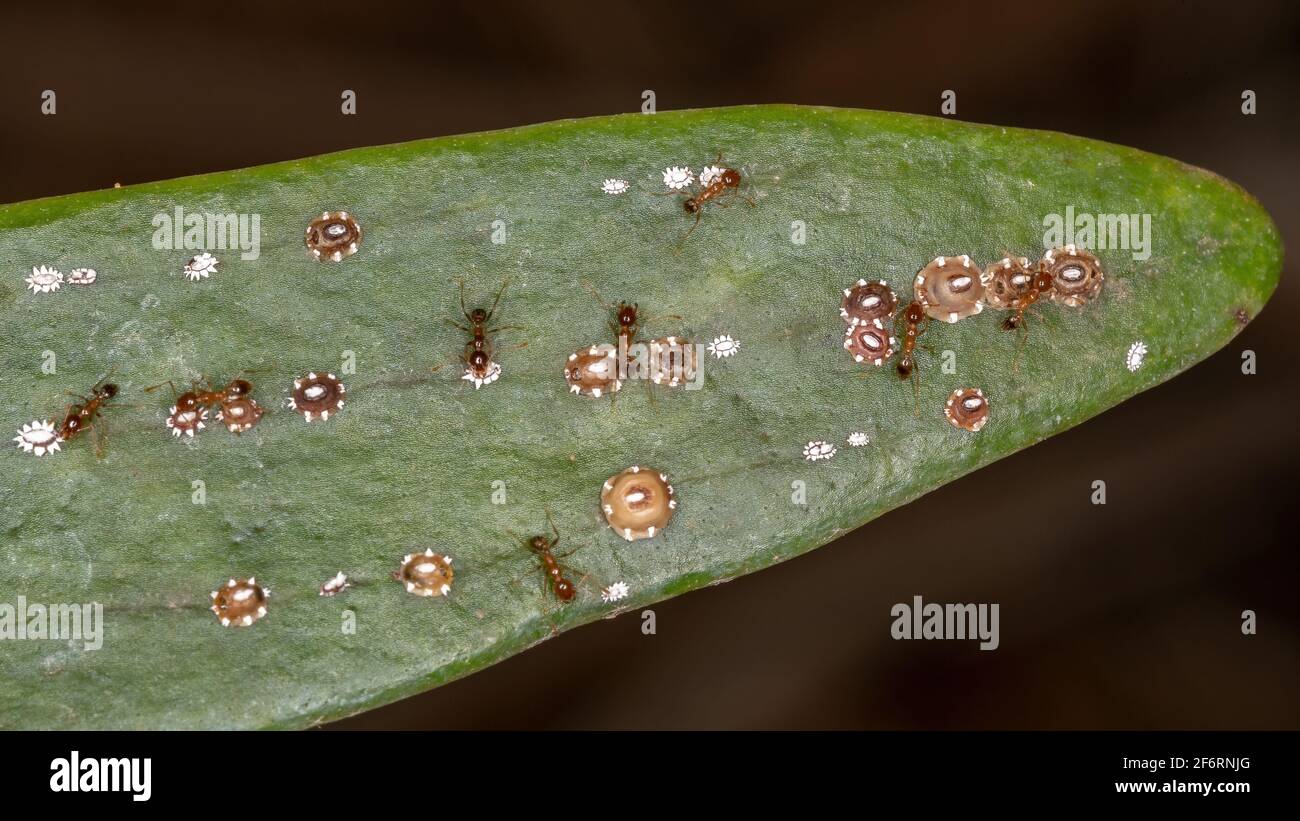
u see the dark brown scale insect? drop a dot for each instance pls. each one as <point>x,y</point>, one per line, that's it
<point>481,367</point>
<point>544,549</point>
<point>915,321</point>
<point>84,413</point>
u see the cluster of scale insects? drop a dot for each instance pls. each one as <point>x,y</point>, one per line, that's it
<point>951,288</point>
<point>638,502</point>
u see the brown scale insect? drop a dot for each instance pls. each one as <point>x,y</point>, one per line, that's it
<point>481,368</point>
<point>915,321</point>
<point>84,413</point>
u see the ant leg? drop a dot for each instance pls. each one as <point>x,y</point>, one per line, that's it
<point>101,434</point>
<point>168,383</point>
<point>916,393</point>
<point>456,324</point>
<point>659,317</point>
<point>596,294</point>
<point>690,231</point>
<point>492,310</point>
<point>505,328</point>
<point>555,530</point>
<point>582,582</point>
<point>461,281</point>
<point>1022,336</point>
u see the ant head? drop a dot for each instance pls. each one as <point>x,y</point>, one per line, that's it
<point>731,178</point>
<point>109,390</point>
<point>913,313</point>
<point>538,543</point>
<point>239,387</point>
<point>478,316</point>
<point>691,206</point>
<point>626,314</point>
<point>187,402</point>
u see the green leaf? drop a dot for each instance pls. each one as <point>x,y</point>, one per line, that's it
<point>410,462</point>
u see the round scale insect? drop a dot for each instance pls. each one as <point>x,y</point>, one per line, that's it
<point>38,437</point>
<point>673,361</point>
<point>950,288</point>
<point>1007,282</point>
<point>317,395</point>
<point>593,372</point>
<point>426,573</point>
<point>239,602</point>
<point>967,408</point>
<point>239,413</point>
<point>44,279</point>
<point>333,235</point>
<point>186,423</point>
<point>867,301</point>
<point>638,502</point>
<point>868,341</point>
<point>1076,275</point>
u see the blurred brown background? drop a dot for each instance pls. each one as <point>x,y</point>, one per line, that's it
<point>1126,615</point>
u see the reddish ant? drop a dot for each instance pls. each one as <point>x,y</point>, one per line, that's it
<point>725,182</point>
<point>626,324</point>
<point>912,318</point>
<point>544,549</point>
<point>236,408</point>
<point>480,368</point>
<point>1041,288</point>
<point>83,414</point>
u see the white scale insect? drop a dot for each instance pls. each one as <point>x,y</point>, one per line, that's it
<point>818,450</point>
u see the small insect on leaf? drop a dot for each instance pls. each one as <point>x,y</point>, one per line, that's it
<point>426,574</point>
<point>317,395</point>
<point>638,502</point>
<point>239,602</point>
<point>333,235</point>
